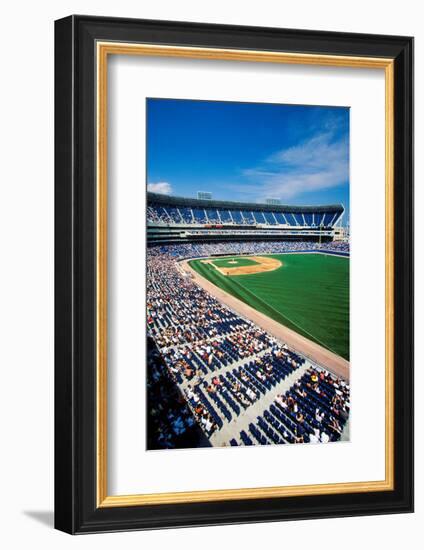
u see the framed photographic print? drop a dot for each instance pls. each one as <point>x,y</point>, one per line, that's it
<point>234,274</point>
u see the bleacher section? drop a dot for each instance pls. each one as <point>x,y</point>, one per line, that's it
<point>315,409</point>
<point>239,385</point>
<point>169,210</point>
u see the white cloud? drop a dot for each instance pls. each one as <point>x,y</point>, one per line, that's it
<point>319,163</point>
<point>162,187</point>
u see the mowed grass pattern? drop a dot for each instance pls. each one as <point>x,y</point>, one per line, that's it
<point>309,293</point>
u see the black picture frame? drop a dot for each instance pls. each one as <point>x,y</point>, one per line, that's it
<point>76,508</point>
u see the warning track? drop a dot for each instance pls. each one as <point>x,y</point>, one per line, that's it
<point>324,357</point>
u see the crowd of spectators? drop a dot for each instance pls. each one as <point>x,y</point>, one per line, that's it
<point>217,364</point>
<point>193,250</point>
<point>170,422</point>
<point>319,405</point>
<point>314,410</point>
<point>186,215</point>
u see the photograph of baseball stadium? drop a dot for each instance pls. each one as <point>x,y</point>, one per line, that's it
<point>247,285</point>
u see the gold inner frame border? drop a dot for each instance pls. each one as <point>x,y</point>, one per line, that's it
<point>103,50</point>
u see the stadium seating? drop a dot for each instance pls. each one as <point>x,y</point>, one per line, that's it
<point>315,408</point>
<point>225,366</point>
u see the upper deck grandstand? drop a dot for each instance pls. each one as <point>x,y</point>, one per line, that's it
<point>172,219</point>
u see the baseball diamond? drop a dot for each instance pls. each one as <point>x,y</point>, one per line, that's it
<point>244,266</point>
<point>233,262</point>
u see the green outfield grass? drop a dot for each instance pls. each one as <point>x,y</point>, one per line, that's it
<point>309,293</point>
<point>234,262</point>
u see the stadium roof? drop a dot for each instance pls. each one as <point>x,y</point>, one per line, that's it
<point>169,200</point>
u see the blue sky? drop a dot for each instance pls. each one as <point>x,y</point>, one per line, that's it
<point>248,151</point>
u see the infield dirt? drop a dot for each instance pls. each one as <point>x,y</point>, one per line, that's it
<point>262,265</point>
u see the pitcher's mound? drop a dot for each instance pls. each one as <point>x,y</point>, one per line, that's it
<point>262,264</point>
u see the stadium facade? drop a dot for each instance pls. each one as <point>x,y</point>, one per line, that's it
<point>173,220</point>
